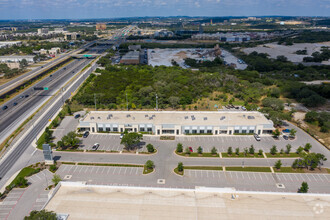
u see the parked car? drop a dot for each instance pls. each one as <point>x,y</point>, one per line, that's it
<point>257,137</point>
<point>77,116</point>
<point>26,96</point>
<point>86,134</point>
<point>190,149</point>
<point>121,136</point>
<point>95,146</point>
<point>285,137</point>
<point>4,107</point>
<point>15,103</point>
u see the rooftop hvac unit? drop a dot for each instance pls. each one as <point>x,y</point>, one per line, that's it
<point>146,116</point>
<point>98,117</point>
<point>150,118</point>
<point>205,118</point>
<point>222,118</point>
<point>185,117</point>
<point>128,115</point>
<point>153,115</point>
<point>92,118</point>
<point>251,117</point>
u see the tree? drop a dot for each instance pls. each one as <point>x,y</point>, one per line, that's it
<point>200,150</point>
<point>130,140</point>
<point>260,152</point>
<point>237,151</point>
<point>23,63</point>
<point>68,109</point>
<point>273,103</point>
<point>304,188</point>
<point>187,150</point>
<point>300,149</point>
<point>41,215</point>
<point>278,164</point>
<point>295,164</point>
<point>288,148</point>
<point>276,133</point>
<point>21,182</point>
<point>281,151</point>
<point>60,144</point>
<point>273,150</point>
<point>230,151</point>
<point>150,148</point>
<point>180,166</point>
<point>70,140</point>
<point>174,101</point>
<point>179,148</point>
<point>48,135</point>
<point>56,179</point>
<point>246,151</point>
<point>307,147</point>
<point>214,151</point>
<point>293,132</point>
<point>251,150</point>
<point>149,165</point>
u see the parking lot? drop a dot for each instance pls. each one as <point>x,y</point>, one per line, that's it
<point>257,181</point>
<point>10,202</point>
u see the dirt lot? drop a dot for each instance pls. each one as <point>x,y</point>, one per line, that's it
<point>274,50</point>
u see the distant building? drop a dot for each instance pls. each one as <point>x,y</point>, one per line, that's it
<point>101,26</point>
<point>132,57</point>
<point>134,47</point>
<point>227,37</point>
<point>15,59</point>
<point>9,43</point>
<point>163,33</point>
<point>43,31</point>
<point>71,36</point>
<point>59,30</point>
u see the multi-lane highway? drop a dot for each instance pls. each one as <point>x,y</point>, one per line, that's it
<point>25,103</point>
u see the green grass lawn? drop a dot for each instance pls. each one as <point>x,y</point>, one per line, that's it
<point>256,155</point>
<point>147,171</point>
<point>194,154</point>
<point>278,155</point>
<point>202,168</point>
<point>25,172</point>
<point>328,170</point>
<point>177,172</point>
<point>249,169</point>
<point>288,170</point>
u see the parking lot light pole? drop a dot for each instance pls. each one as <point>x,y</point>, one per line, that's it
<point>156,102</point>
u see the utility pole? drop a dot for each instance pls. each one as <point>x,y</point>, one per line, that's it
<point>156,102</point>
<point>95,100</point>
<point>126,102</point>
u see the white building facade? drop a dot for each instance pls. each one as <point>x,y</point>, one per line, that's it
<point>177,122</point>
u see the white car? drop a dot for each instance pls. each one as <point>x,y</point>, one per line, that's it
<point>257,137</point>
<point>95,146</point>
<point>121,136</point>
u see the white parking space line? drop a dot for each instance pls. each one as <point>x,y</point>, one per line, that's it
<point>136,171</point>
<point>38,176</point>
<point>114,170</point>
<point>125,171</point>
<point>75,169</point>
<point>302,177</point>
<point>314,177</point>
<point>308,178</point>
<point>296,177</point>
<point>260,176</point>
<point>320,177</point>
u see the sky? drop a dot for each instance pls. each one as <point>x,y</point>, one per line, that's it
<point>80,9</point>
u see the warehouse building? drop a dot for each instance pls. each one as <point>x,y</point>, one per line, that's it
<point>132,57</point>
<point>177,123</point>
<point>16,59</point>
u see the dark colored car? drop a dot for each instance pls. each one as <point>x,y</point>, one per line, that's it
<point>15,103</point>
<point>95,146</point>
<point>86,134</point>
<point>285,137</point>
<point>26,96</point>
<point>4,107</point>
<point>77,116</point>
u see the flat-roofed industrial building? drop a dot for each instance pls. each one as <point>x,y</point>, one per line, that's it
<point>177,122</point>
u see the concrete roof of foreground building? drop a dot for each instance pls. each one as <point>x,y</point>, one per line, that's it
<point>207,118</point>
<point>82,201</point>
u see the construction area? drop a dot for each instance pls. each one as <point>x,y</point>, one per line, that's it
<point>274,50</point>
<point>159,57</point>
<point>80,201</point>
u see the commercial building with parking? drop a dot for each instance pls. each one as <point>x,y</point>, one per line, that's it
<point>177,122</point>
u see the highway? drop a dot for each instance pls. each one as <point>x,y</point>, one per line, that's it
<point>22,78</point>
<point>8,162</point>
<point>21,106</point>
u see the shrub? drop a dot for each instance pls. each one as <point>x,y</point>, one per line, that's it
<point>278,164</point>
<point>53,168</point>
<point>179,148</point>
<point>304,188</point>
<point>230,151</point>
<point>187,151</point>
<point>180,166</point>
<point>21,182</point>
<point>299,150</point>
<point>149,164</point>
<point>288,148</point>
<point>260,152</point>
<point>237,151</point>
<point>214,150</point>
<point>200,150</point>
<point>273,150</point>
<point>251,150</point>
<point>150,148</point>
<point>307,147</point>
<point>282,151</point>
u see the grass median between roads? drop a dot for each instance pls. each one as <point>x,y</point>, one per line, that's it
<point>202,168</point>
<point>111,164</point>
<point>249,169</point>
<point>25,172</point>
<point>288,170</point>
<point>234,155</point>
<point>197,154</point>
<point>278,155</point>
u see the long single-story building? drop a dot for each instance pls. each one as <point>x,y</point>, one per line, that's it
<point>177,122</point>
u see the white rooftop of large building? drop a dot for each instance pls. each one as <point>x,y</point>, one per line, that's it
<point>118,202</point>
<point>178,117</point>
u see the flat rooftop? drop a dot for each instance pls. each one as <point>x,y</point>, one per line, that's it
<point>118,202</point>
<point>178,117</point>
<point>132,55</point>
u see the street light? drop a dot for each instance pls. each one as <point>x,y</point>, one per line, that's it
<point>156,102</point>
